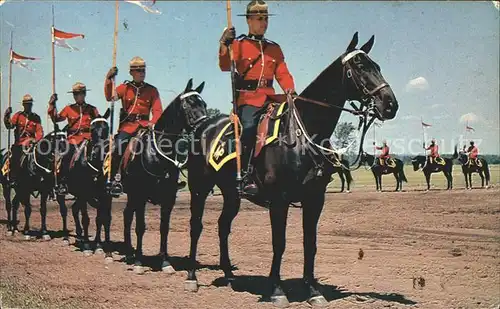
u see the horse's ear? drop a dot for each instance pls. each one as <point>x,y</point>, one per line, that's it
<point>106,114</point>
<point>353,43</point>
<point>368,45</point>
<point>199,89</point>
<point>189,85</point>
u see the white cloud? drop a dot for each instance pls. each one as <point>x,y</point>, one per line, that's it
<point>469,117</point>
<point>496,4</point>
<point>419,83</point>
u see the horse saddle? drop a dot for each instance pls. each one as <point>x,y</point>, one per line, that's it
<point>474,162</point>
<point>131,150</point>
<point>223,148</point>
<point>79,155</point>
<point>439,160</point>
<point>389,162</point>
<point>6,165</point>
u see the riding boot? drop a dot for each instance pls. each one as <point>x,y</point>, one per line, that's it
<point>249,186</point>
<point>115,187</point>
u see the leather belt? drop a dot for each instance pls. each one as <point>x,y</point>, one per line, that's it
<point>253,84</point>
<point>135,117</point>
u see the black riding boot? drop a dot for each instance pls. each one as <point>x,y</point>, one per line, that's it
<point>115,187</point>
<point>249,186</point>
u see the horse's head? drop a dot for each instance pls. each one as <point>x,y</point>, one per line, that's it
<point>418,162</point>
<point>365,81</point>
<point>366,158</point>
<point>186,111</point>
<point>99,128</point>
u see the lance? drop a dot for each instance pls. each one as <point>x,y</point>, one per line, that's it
<point>54,125</point>
<point>235,113</point>
<point>113,96</point>
<point>10,88</point>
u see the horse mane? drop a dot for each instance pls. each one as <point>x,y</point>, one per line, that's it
<point>169,114</point>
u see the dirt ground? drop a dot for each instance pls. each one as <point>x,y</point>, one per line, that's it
<point>434,249</point>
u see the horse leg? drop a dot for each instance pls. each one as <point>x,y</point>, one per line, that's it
<point>278,213</point>
<point>380,181</point>
<point>342,180</point>
<point>482,178</point>
<point>466,181</point>
<point>140,229</point>
<point>167,205</point>
<point>128,216</point>
<point>15,208</point>
<point>98,228</point>
<point>27,214</point>
<point>376,178</point>
<point>196,225</point>
<point>85,222</point>
<point>8,207</point>
<point>43,215</point>
<point>63,210</point>
<point>397,181</point>
<point>75,209</point>
<point>312,207</point>
<point>470,181</point>
<point>428,180</point>
<point>230,209</point>
<point>106,203</point>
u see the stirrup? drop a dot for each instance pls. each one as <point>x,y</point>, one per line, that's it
<point>61,189</point>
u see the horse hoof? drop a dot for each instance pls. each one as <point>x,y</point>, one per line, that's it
<point>169,270</point>
<point>65,242</point>
<point>46,237</point>
<point>99,251</point>
<point>191,285</point>
<point>317,301</point>
<point>348,191</point>
<point>87,252</point>
<point>108,260</point>
<point>138,270</point>
<point>280,301</point>
<point>27,237</point>
<point>10,233</point>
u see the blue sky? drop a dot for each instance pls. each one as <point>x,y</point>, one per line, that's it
<point>441,58</point>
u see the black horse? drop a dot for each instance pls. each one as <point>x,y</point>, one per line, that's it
<point>293,168</point>
<point>341,167</point>
<point>471,166</point>
<point>87,183</point>
<point>429,168</point>
<point>150,170</point>
<point>396,167</point>
<point>36,175</point>
<point>4,182</point>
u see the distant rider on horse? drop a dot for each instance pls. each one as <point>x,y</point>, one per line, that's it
<point>384,155</point>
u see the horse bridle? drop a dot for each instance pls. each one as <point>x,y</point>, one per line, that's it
<point>367,101</point>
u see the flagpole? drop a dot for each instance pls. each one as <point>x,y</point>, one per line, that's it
<point>112,107</point>
<point>10,88</point>
<point>235,112</point>
<point>53,66</point>
<point>423,133</point>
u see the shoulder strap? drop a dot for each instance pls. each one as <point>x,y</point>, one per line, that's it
<point>253,63</point>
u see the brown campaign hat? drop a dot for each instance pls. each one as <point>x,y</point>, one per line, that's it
<point>78,87</point>
<point>27,99</point>
<point>257,8</point>
<point>137,63</point>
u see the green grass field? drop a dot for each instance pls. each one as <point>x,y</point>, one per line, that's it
<point>364,180</point>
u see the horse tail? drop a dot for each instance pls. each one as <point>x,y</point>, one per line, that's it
<point>455,153</point>
<point>486,171</point>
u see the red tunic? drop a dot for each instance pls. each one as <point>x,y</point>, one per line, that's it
<point>434,151</point>
<point>79,118</point>
<point>137,101</point>
<point>385,152</point>
<point>27,128</point>
<point>270,65</point>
